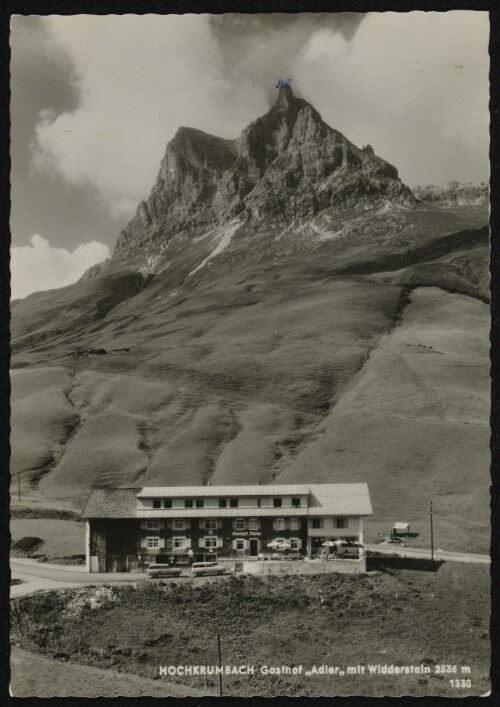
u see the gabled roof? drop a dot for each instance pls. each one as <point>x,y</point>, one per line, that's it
<point>339,499</point>
<point>401,526</point>
<point>323,499</point>
<point>111,503</point>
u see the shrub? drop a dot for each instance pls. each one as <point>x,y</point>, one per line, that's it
<point>27,544</point>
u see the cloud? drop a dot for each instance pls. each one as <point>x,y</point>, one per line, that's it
<point>39,266</point>
<point>139,79</point>
<point>265,47</point>
<point>414,85</point>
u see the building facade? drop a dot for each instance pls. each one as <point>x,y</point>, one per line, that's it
<point>127,529</point>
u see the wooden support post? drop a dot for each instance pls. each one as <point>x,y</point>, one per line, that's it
<point>219,663</point>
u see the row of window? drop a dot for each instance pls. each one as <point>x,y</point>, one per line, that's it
<point>210,542</point>
<point>320,522</point>
<point>179,543</point>
<point>252,524</point>
<point>286,524</point>
<point>195,503</point>
<point>223,502</point>
<point>245,524</point>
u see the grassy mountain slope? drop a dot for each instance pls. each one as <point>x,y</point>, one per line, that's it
<point>415,424</point>
<point>306,355</point>
<point>262,317</point>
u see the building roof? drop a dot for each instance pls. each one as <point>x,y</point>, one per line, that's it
<point>324,499</point>
<point>111,503</point>
<point>401,526</point>
<point>339,499</point>
<point>253,490</point>
<point>244,512</point>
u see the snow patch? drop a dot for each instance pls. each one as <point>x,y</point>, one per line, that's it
<point>390,207</point>
<point>283,233</point>
<point>225,234</point>
<point>325,235</point>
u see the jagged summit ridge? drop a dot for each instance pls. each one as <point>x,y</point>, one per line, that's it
<point>287,163</point>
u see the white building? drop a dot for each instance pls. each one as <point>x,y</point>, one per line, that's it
<point>129,528</point>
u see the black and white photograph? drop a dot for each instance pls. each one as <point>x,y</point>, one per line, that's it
<point>250,355</point>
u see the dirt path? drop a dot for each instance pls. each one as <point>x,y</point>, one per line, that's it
<point>37,576</point>
<point>35,675</point>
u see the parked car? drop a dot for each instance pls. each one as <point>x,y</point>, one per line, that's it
<point>163,571</point>
<point>348,549</point>
<point>199,568</point>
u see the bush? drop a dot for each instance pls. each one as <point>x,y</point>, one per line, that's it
<point>23,512</point>
<point>66,560</point>
<point>27,544</point>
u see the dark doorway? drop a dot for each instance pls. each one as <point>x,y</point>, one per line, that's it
<point>254,547</point>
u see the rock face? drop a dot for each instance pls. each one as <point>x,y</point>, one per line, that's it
<point>454,193</point>
<point>289,163</point>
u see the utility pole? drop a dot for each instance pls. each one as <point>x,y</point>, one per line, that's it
<point>219,662</point>
<point>432,531</point>
<point>19,485</point>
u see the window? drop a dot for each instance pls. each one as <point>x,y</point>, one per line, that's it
<point>279,524</point>
<point>156,503</point>
<point>167,503</point>
<point>294,543</point>
<point>199,503</point>
<point>277,502</point>
<point>341,522</point>
<point>317,523</point>
<point>240,544</point>
<point>294,523</point>
<point>210,524</point>
<point>152,525</point>
<point>233,503</point>
<point>222,502</point>
<point>295,502</point>
<point>211,541</point>
<point>179,543</point>
<point>259,502</point>
<point>179,525</point>
<point>254,524</point>
<point>239,524</point>
<point>188,503</point>
<point>153,543</point>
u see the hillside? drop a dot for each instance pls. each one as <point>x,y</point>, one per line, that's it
<point>282,307</point>
<point>306,621</point>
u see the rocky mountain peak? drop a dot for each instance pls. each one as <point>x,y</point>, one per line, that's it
<point>288,106</point>
<point>287,163</point>
<point>286,99</point>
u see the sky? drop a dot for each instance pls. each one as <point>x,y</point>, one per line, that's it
<point>95,99</point>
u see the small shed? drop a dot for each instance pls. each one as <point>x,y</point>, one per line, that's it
<point>401,528</point>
